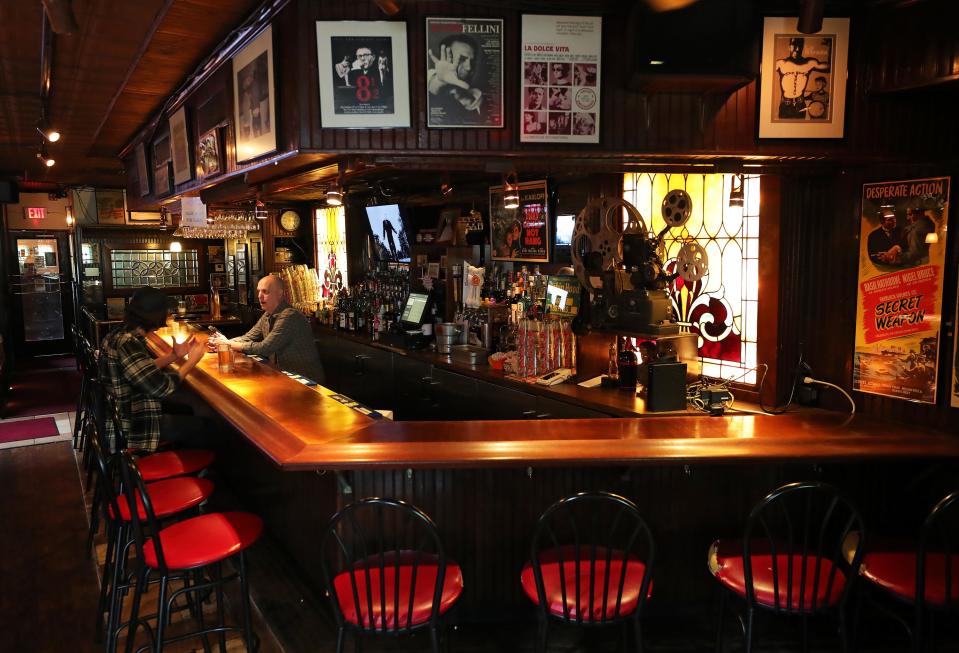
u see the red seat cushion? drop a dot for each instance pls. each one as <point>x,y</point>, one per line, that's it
<point>168,464</point>
<point>895,571</point>
<point>169,496</point>
<point>549,562</point>
<point>427,568</point>
<point>203,540</point>
<point>726,564</point>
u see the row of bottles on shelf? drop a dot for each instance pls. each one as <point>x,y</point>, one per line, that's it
<point>371,306</point>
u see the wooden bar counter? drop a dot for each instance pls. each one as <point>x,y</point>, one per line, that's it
<point>301,428</point>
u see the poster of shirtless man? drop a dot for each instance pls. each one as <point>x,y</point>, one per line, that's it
<point>803,66</point>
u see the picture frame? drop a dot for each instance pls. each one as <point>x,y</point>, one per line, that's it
<point>180,147</point>
<point>363,74</point>
<point>111,206</point>
<point>143,217</point>
<point>143,173</point>
<point>481,103</point>
<point>254,103</point>
<point>803,79</point>
<point>433,270</point>
<point>446,225</point>
<point>208,154</point>
<point>161,150</point>
<point>161,179</point>
<point>116,307</point>
<point>198,303</point>
<point>521,234</point>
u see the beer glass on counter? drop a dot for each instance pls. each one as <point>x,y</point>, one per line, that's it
<point>224,358</point>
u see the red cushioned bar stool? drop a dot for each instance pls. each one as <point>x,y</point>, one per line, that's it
<point>591,564</point>
<point>386,571</point>
<point>169,497</point>
<point>192,550</point>
<point>790,559</point>
<point>925,577</point>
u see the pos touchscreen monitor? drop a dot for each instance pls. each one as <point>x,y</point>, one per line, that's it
<point>390,242</point>
<point>415,310</point>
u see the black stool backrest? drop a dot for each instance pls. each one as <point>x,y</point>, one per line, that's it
<point>940,536</point>
<point>586,529</point>
<point>804,523</point>
<point>143,525</point>
<point>375,534</point>
<point>108,476</point>
<point>111,411</point>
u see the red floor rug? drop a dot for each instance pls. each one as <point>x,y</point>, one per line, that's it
<point>28,429</point>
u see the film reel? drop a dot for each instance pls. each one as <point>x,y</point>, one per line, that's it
<point>597,242</point>
<point>692,263</point>
<point>677,207</point>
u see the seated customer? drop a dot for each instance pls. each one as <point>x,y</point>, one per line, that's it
<point>139,382</point>
<point>282,334</point>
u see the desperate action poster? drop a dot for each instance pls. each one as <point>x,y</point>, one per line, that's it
<point>901,260</point>
<point>464,72</point>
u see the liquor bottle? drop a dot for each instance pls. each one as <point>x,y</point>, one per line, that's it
<point>613,370</point>
<point>627,366</point>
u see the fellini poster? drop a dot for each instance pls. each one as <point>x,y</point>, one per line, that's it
<point>899,310</point>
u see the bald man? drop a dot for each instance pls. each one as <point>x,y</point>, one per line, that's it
<point>282,334</point>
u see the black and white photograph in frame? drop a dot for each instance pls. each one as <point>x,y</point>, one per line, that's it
<point>180,147</point>
<point>253,98</point>
<point>464,72</point>
<point>363,74</point>
<point>143,173</point>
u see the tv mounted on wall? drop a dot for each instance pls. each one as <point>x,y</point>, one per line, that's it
<point>390,242</point>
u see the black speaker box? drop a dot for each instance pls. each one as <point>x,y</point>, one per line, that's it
<point>666,387</point>
<point>9,192</point>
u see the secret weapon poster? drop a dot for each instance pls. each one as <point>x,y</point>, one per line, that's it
<point>901,261</point>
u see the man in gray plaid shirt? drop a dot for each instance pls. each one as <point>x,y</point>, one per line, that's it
<point>282,334</point>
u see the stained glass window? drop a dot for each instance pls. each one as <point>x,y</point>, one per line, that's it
<point>132,268</point>
<point>721,307</point>
<point>331,264</point>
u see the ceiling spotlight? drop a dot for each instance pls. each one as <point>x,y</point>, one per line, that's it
<point>259,210</point>
<point>510,192</point>
<point>445,189</point>
<point>47,131</point>
<point>810,16</point>
<point>736,196</point>
<point>334,196</point>
<point>42,154</point>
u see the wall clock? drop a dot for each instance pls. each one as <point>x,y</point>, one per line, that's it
<point>290,220</point>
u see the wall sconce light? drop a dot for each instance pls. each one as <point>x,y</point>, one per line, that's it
<point>48,132</point>
<point>259,209</point>
<point>69,217</point>
<point>176,246</point>
<point>510,192</point>
<point>736,196</point>
<point>44,156</point>
<point>334,196</point>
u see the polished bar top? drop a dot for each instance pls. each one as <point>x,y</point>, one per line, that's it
<point>302,428</point>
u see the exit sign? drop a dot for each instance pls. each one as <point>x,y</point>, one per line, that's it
<point>35,212</point>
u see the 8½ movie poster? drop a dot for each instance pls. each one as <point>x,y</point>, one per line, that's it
<point>901,259</point>
<point>561,79</point>
<point>520,234</point>
<point>464,72</point>
<point>364,75</point>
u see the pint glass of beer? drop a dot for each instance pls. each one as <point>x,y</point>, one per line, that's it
<point>224,357</point>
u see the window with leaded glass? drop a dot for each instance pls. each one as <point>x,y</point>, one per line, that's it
<point>331,264</point>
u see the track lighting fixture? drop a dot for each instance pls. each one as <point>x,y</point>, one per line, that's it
<point>510,192</point>
<point>334,196</point>
<point>44,156</point>
<point>47,131</point>
<point>259,209</point>
<point>810,16</point>
<point>736,196</point>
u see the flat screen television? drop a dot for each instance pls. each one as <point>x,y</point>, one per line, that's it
<point>564,229</point>
<point>390,242</point>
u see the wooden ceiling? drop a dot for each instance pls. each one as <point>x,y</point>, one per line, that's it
<point>108,78</point>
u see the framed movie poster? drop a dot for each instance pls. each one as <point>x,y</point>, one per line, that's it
<point>520,234</point>
<point>143,217</point>
<point>464,72</point>
<point>111,207</point>
<point>254,106</point>
<point>803,80</point>
<point>143,174</point>
<point>560,68</point>
<point>161,179</point>
<point>364,80</point>
<point>180,147</point>
<point>208,154</point>
<point>899,308</point>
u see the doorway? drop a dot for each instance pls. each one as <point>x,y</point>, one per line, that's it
<point>40,285</point>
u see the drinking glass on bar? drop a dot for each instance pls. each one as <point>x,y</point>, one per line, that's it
<point>224,358</point>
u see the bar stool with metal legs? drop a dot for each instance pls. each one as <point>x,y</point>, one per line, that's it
<point>170,498</point>
<point>87,363</point>
<point>185,550</point>
<point>923,577</point>
<point>790,559</point>
<point>591,564</point>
